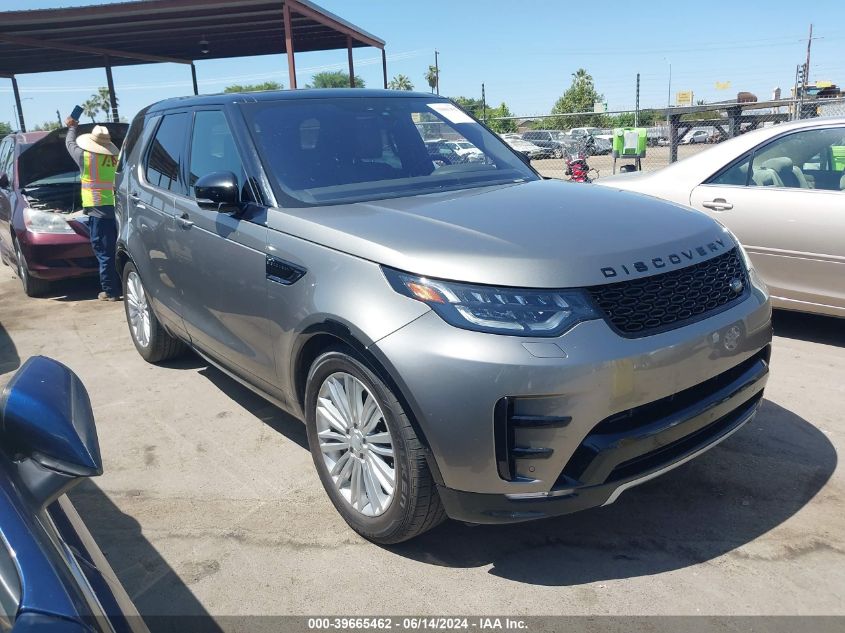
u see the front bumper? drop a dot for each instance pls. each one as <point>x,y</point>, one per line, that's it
<point>55,256</point>
<point>522,428</point>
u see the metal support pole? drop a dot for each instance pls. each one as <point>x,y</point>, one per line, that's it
<point>351,65</point>
<point>637,106</point>
<point>289,46</point>
<point>21,122</point>
<point>194,78</point>
<point>674,119</point>
<point>436,73</point>
<point>483,104</point>
<point>112,97</point>
<point>733,121</point>
<point>384,67</point>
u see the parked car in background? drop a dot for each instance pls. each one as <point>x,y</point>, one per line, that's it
<point>466,150</point>
<point>781,190</point>
<point>695,136</point>
<point>43,232</point>
<point>551,140</point>
<point>53,577</point>
<point>601,146</point>
<point>441,153</point>
<point>524,147</point>
<point>368,290</point>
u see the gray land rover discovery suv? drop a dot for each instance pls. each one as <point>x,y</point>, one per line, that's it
<point>465,340</point>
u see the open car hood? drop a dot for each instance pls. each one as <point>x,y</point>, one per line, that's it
<point>49,157</point>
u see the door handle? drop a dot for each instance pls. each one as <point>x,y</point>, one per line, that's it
<point>718,204</point>
<point>136,199</point>
<point>183,221</point>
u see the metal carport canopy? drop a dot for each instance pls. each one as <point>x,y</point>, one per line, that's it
<point>150,31</point>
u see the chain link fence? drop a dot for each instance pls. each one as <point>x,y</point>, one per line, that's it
<point>670,134</point>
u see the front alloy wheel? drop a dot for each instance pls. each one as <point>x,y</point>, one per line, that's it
<point>152,341</point>
<point>137,309</point>
<point>367,454</point>
<point>356,444</point>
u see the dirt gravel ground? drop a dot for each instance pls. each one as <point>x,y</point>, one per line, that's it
<point>210,505</point>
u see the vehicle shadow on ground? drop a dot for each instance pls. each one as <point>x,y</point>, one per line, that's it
<point>82,289</point>
<point>726,498</point>
<point>281,422</point>
<point>163,600</point>
<point>813,328</point>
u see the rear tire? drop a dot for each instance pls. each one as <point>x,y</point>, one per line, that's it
<point>412,506</point>
<point>32,286</point>
<point>153,342</point>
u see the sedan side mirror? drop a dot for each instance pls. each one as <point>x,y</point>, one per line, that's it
<point>218,191</point>
<point>47,429</point>
<point>4,180</point>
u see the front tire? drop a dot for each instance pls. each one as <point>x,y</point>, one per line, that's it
<point>32,286</point>
<point>368,457</point>
<point>152,341</point>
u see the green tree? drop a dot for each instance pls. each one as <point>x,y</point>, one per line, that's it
<point>400,82</point>
<point>492,116</point>
<point>579,97</point>
<point>91,108</point>
<point>5,128</point>
<point>334,79</point>
<point>47,126</point>
<point>431,77</point>
<point>267,85</point>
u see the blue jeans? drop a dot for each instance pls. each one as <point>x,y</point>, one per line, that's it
<point>103,241</point>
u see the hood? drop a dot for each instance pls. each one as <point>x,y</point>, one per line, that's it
<point>49,156</point>
<point>541,234</point>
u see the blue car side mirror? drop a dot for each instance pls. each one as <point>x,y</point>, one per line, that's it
<point>47,429</point>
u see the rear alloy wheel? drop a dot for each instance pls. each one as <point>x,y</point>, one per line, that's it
<point>152,341</point>
<point>368,457</point>
<point>32,286</point>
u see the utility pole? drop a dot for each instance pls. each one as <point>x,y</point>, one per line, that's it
<point>637,106</point>
<point>436,73</point>
<point>483,105</point>
<point>59,119</point>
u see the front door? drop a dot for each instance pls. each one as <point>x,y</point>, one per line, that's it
<point>785,204</point>
<point>224,275</point>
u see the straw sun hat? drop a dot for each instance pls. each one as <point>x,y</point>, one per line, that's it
<point>98,141</point>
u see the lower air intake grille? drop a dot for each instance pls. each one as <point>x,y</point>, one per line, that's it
<point>641,307</point>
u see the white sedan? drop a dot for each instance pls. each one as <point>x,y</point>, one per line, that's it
<point>466,150</point>
<point>781,190</point>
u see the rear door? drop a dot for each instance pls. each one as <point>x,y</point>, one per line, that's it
<point>153,236</point>
<point>791,222</point>
<point>223,265</point>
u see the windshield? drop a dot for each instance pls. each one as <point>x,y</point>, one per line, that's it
<point>332,151</point>
<point>66,178</point>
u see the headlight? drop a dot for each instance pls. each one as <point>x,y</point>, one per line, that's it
<point>514,311</point>
<point>45,222</point>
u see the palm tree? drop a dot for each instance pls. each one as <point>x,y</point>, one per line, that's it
<point>102,97</point>
<point>400,82</point>
<point>581,76</point>
<point>432,76</point>
<point>91,108</point>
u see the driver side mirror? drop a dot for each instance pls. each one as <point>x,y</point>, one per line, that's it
<point>218,191</point>
<point>47,429</point>
<point>4,180</point>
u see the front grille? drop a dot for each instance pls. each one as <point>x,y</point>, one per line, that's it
<point>640,307</point>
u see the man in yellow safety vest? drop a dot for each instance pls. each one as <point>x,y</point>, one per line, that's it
<point>96,157</point>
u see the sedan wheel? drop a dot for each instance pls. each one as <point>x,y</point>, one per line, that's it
<point>31,286</point>
<point>356,444</point>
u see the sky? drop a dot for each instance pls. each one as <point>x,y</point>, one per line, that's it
<point>524,53</point>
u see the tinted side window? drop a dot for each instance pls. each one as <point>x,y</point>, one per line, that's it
<point>130,141</point>
<point>6,157</point>
<point>736,174</point>
<point>213,149</point>
<point>166,154</point>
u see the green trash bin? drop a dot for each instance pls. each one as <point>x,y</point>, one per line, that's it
<point>837,157</point>
<point>629,141</point>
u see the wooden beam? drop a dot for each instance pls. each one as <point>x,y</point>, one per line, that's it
<point>30,42</point>
<point>384,67</point>
<point>112,97</point>
<point>322,18</point>
<point>289,46</point>
<point>351,65</point>
<point>21,122</point>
